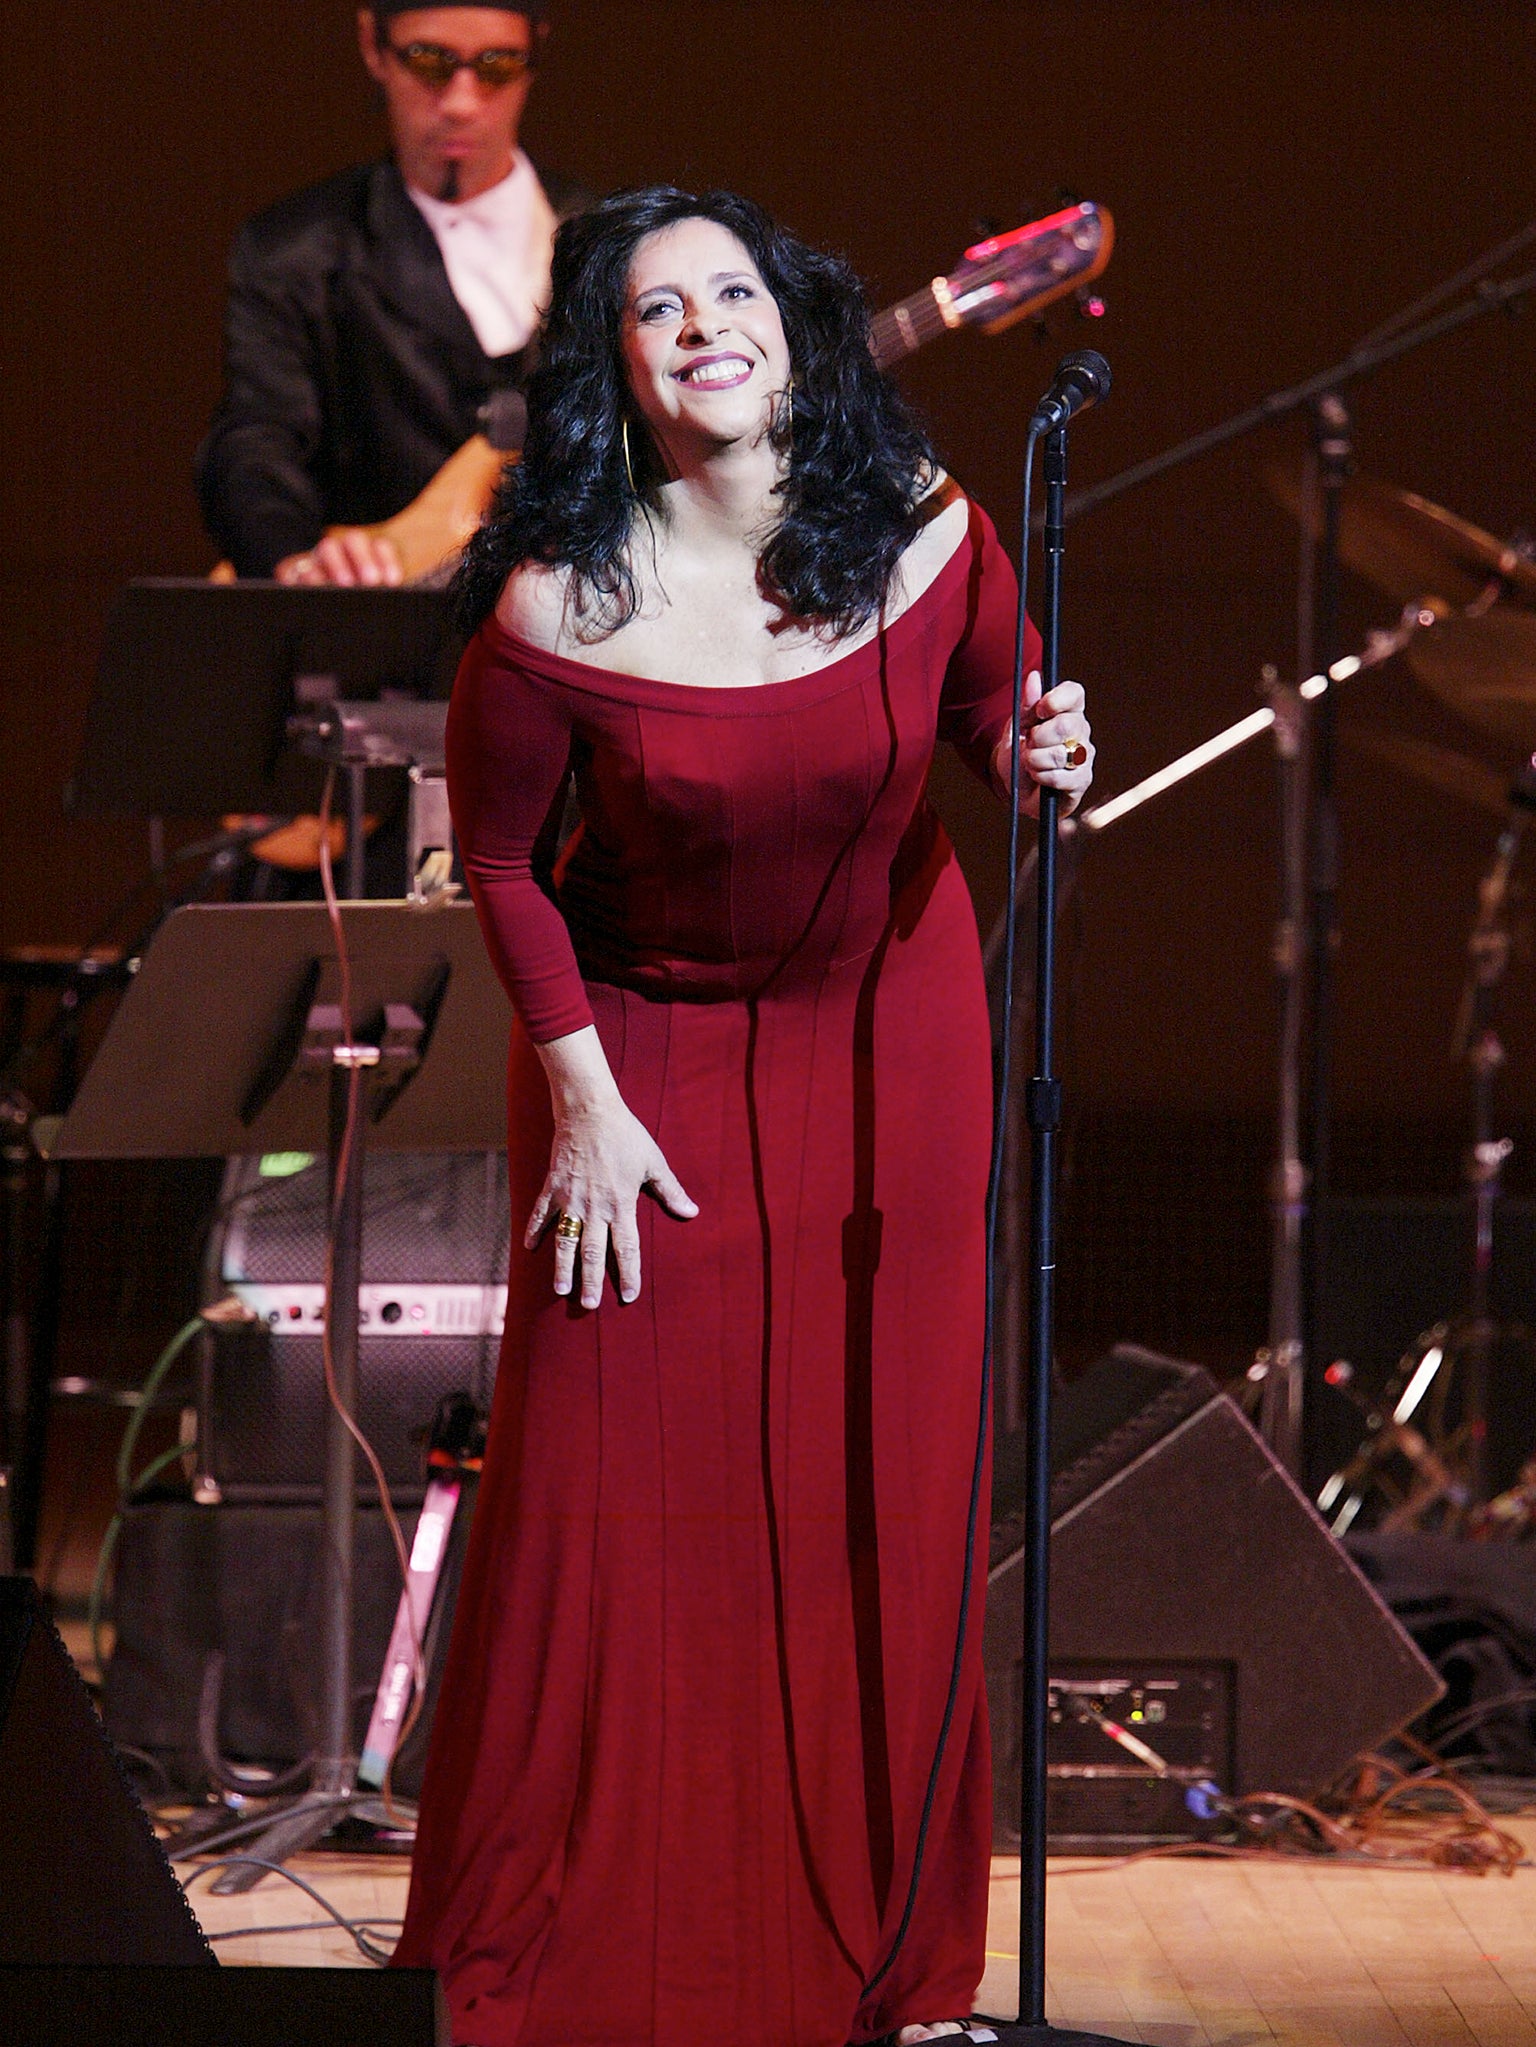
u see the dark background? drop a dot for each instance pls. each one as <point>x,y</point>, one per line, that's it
<point>1282,177</point>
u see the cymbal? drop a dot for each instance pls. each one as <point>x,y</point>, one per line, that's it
<point>1460,775</point>
<point>1484,668</point>
<point>1409,547</point>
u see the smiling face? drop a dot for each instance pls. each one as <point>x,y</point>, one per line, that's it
<point>704,345</point>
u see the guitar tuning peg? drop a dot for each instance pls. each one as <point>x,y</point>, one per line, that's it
<point>1090,306</point>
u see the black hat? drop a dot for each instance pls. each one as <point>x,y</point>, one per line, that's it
<point>534,9</point>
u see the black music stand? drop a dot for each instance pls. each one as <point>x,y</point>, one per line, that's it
<point>198,685</point>
<point>197,681</point>
<point>231,1039</point>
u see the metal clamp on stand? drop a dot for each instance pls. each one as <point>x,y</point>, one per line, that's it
<point>394,733</point>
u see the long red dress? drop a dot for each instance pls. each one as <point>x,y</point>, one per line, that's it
<point>704,1639</point>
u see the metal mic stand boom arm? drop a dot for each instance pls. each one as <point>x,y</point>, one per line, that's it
<point>1360,362</point>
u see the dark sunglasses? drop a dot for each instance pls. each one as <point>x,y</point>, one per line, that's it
<point>437,67</point>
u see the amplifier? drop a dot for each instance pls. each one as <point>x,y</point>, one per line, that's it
<point>1097,1795</point>
<point>435,1237</point>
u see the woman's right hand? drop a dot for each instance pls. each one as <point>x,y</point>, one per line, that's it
<point>601,1159</point>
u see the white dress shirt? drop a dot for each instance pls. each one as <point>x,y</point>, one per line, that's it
<point>496,252</point>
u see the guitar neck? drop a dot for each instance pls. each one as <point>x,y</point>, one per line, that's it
<point>901,330</point>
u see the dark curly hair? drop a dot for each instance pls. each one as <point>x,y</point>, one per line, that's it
<point>857,460</point>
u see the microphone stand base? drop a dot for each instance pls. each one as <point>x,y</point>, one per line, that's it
<point>1011,2034</point>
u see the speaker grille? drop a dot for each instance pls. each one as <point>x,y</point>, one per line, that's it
<point>1181,1541</point>
<point>428,1219</point>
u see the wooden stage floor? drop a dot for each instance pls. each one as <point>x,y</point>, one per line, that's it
<point>1164,1953</point>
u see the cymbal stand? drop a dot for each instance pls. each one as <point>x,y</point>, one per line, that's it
<point>1448,1456</point>
<point>1280,1384</point>
<point>1332,430</point>
<point>1478,1041</point>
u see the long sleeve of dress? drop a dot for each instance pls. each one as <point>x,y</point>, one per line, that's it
<point>509,745</point>
<point>977,701</point>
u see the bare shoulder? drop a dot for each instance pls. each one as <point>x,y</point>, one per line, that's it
<point>943,518</point>
<point>535,605</point>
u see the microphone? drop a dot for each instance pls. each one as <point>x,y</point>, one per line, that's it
<point>1081,380</point>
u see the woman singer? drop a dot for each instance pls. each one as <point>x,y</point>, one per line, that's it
<point>705,1646</point>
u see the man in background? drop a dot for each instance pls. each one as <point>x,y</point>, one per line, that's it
<point>379,319</point>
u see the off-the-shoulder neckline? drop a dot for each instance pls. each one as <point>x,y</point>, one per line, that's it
<point>823,679</point>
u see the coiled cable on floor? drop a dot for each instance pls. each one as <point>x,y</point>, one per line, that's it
<point>357,1929</point>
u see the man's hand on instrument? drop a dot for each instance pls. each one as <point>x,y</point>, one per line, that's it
<point>1058,746</point>
<point>349,555</point>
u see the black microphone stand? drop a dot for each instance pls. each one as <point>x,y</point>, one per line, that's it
<point>1042,1102</point>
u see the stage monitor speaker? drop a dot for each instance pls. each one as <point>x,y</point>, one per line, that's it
<point>1193,1586</point>
<point>249,2007</point>
<point>98,1945</point>
<point>82,1878</point>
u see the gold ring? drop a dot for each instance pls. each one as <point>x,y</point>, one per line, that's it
<point>1074,753</point>
<point>568,1228</point>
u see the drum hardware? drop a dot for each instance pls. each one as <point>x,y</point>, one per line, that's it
<point>1299,1196</point>
<point>1462,775</point>
<point>1271,1386</point>
<point>1408,547</point>
<point>1482,589</point>
<point>1449,1374</point>
<point>1510,1517</point>
<point>1483,667</point>
<point>1432,1477</point>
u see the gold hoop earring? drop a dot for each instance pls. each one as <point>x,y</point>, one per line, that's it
<point>629,469</point>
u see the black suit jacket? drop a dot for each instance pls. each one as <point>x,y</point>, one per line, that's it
<point>351,370</point>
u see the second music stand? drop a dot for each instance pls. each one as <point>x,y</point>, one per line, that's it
<point>232,1038</point>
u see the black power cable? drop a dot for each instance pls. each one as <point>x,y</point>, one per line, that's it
<point>356,1928</point>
